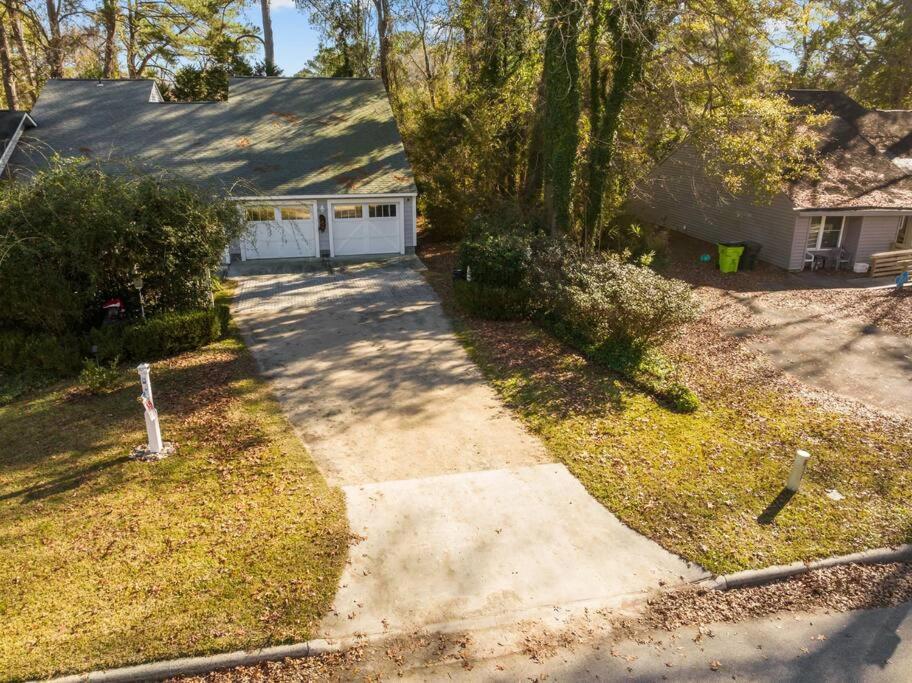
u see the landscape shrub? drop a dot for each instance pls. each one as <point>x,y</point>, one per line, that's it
<point>681,398</point>
<point>105,343</point>
<point>96,378</point>
<point>602,300</point>
<point>74,236</point>
<point>35,353</point>
<point>615,312</point>
<point>171,333</point>
<point>490,301</point>
<point>497,258</point>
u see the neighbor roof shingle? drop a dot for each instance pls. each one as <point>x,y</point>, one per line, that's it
<point>862,152</point>
<point>273,136</point>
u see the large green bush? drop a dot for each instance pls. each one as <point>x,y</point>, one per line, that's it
<point>490,301</point>
<point>604,301</point>
<point>615,312</point>
<point>73,236</point>
<point>497,259</point>
<point>37,353</point>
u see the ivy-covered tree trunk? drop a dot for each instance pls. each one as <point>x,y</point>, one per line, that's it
<point>561,109</point>
<point>631,39</point>
<point>9,81</point>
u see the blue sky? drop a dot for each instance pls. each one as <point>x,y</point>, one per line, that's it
<point>295,41</point>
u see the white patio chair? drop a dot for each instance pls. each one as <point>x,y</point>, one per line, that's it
<point>844,259</point>
<point>808,260</point>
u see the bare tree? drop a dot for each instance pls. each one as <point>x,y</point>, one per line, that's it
<point>268,44</point>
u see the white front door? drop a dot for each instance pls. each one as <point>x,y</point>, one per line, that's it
<point>280,232</point>
<point>374,227</point>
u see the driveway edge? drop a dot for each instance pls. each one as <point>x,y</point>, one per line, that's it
<point>190,666</point>
<point>757,577</point>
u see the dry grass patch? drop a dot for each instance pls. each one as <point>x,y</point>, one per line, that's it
<point>704,485</point>
<point>235,542</point>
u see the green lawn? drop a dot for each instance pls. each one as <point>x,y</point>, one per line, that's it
<point>698,483</point>
<point>235,542</point>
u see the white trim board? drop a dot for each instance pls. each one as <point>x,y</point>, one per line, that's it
<point>14,140</point>
<point>299,197</point>
<point>853,212</point>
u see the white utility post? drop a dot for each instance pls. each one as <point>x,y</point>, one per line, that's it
<point>798,467</point>
<point>153,429</point>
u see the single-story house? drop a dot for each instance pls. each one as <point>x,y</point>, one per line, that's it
<point>861,202</point>
<point>316,164</point>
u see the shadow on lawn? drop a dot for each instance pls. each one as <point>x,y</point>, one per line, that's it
<point>66,442</point>
<point>64,483</point>
<point>776,506</point>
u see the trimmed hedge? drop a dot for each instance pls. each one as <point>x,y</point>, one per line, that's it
<point>164,335</point>
<point>38,353</point>
<point>172,333</point>
<point>491,302</point>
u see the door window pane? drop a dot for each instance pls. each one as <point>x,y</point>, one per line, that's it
<point>295,213</point>
<point>825,232</point>
<point>814,232</point>
<point>903,231</point>
<point>381,210</point>
<point>259,213</point>
<point>347,211</point>
<point>832,232</point>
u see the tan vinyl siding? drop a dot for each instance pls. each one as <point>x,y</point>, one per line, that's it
<point>680,196</point>
<point>878,233</point>
<point>851,236</point>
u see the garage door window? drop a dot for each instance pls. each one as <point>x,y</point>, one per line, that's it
<point>259,213</point>
<point>381,210</point>
<point>295,213</point>
<point>343,211</point>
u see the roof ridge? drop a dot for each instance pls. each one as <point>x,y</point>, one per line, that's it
<point>106,80</point>
<point>302,78</point>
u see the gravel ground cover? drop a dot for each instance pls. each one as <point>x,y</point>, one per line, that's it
<point>838,296</point>
<point>839,589</point>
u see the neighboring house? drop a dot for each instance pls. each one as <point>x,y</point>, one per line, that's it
<point>862,201</point>
<point>316,164</point>
<point>12,125</point>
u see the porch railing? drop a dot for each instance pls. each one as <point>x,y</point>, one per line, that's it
<point>891,262</point>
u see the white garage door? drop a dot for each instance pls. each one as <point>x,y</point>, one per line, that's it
<point>366,228</point>
<point>280,232</point>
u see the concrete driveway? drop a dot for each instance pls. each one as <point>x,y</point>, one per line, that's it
<point>460,515</point>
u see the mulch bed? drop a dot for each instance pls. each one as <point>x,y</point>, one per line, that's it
<point>839,589</point>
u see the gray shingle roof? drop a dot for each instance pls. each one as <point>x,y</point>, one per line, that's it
<point>275,136</point>
<point>863,154</point>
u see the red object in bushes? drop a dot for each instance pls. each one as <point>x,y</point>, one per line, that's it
<point>114,310</point>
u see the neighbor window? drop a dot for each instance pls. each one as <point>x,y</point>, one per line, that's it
<point>295,213</point>
<point>259,213</point>
<point>825,232</point>
<point>381,210</point>
<point>347,211</point>
<point>902,235</point>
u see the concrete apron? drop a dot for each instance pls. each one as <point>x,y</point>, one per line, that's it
<point>459,517</point>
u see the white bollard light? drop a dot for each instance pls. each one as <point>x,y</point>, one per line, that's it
<point>798,468</point>
<point>153,429</point>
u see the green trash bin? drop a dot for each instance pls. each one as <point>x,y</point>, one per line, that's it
<point>729,257</point>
